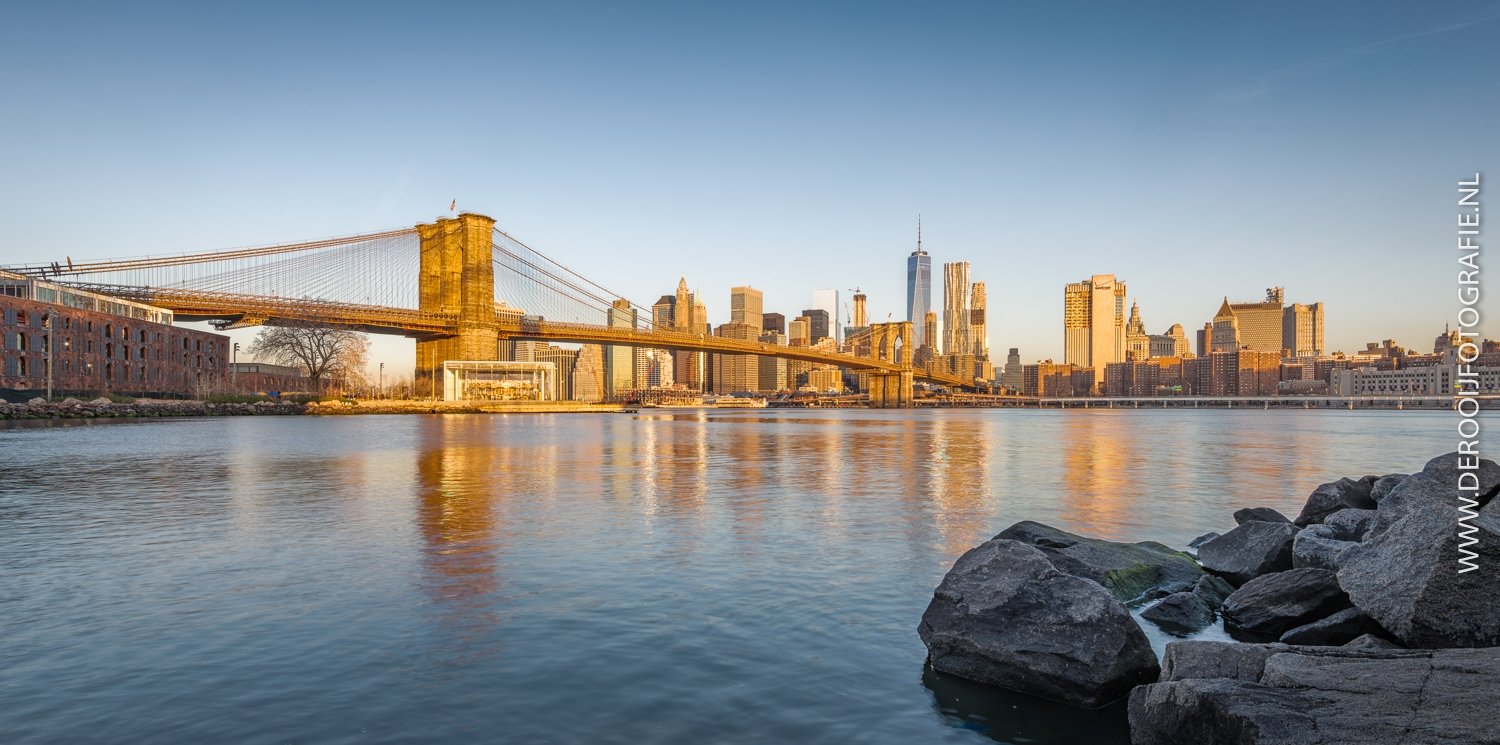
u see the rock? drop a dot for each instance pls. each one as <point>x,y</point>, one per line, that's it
<point>1181,612</point>
<point>1370,641</point>
<point>1341,627</point>
<point>1212,590</point>
<point>1249,551</point>
<point>101,401</point>
<point>1202,539</point>
<point>1263,514</point>
<point>1170,588</point>
<point>1406,574</point>
<point>1351,523</point>
<point>1384,485</point>
<point>1328,696</point>
<point>1276,603</point>
<point>1005,616</point>
<point>1316,546</point>
<point>38,401</point>
<point>1215,659</point>
<point>70,401</point>
<point>1334,496</point>
<point>1126,569</point>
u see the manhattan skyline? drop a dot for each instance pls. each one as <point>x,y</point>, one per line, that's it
<point>648,144</point>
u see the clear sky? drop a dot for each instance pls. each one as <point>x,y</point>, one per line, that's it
<point>1194,150</point>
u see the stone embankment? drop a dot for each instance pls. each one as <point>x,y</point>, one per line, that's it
<point>1356,625</point>
<point>103,408</point>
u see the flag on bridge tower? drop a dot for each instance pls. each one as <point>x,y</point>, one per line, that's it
<point>453,205</point>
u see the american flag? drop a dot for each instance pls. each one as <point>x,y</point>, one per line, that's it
<point>453,205</point>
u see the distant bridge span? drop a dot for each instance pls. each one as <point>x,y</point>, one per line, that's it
<point>474,286</point>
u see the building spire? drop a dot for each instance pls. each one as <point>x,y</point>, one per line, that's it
<point>919,232</point>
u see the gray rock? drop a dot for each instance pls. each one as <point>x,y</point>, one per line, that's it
<point>1326,696</point>
<point>1212,590</point>
<point>1215,659</point>
<point>1317,546</point>
<point>1263,514</point>
<point>1406,573</point>
<point>1343,626</point>
<point>1005,616</point>
<point>101,401</point>
<point>1181,612</point>
<point>1128,570</point>
<point>1276,603</point>
<point>1351,523</point>
<point>37,401</point>
<point>1249,551</point>
<point>1384,485</point>
<point>1170,588</point>
<point>1202,539</point>
<point>1370,641</point>
<point>1334,496</point>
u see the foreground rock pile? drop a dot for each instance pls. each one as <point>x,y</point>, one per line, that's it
<point>103,408</point>
<point>1358,626</point>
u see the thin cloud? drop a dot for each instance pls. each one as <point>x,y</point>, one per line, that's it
<point>1262,84</point>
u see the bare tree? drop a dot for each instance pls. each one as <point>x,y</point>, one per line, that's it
<point>322,352</point>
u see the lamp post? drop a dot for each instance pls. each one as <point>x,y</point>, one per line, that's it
<point>234,364</point>
<point>380,385</point>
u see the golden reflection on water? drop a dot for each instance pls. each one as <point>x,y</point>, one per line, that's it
<point>458,472</point>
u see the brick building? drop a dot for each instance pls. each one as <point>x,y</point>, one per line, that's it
<point>99,344</point>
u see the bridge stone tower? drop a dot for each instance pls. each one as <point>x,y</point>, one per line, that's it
<point>891,342</point>
<point>457,277</point>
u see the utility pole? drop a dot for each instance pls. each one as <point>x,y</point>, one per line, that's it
<point>381,384</point>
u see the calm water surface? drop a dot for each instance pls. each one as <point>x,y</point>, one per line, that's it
<point>725,577</point>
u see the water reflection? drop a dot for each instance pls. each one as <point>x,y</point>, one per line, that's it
<point>1012,717</point>
<point>458,471</point>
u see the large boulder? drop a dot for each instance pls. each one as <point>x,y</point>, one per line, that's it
<point>1005,616</point>
<point>1384,485</point>
<point>1334,496</point>
<point>1322,696</point>
<point>1351,523</point>
<point>1319,546</point>
<point>1212,590</point>
<point>1128,570</point>
<point>1342,627</point>
<point>1276,603</point>
<point>1248,551</point>
<point>1181,612</point>
<point>1407,574</point>
<point>1263,514</point>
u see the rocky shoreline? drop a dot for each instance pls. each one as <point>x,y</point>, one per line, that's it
<point>103,408</point>
<point>1354,623</point>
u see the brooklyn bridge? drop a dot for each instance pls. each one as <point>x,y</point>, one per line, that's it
<point>458,286</point>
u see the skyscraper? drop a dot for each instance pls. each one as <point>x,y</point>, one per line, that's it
<point>773,322</point>
<point>919,290</point>
<point>619,360</point>
<point>745,306</point>
<point>861,316</point>
<point>979,338</point>
<point>1260,324</point>
<point>828,301</point>
<point>956,308</point>
<point>1011,377</point>
<point>1302,329</point>
<point>1094,323</point>
<point>1225,330</point>
<point>1137,341</point>
<point>817,324</point>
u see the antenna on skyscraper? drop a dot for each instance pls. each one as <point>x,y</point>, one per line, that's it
<point>919,232</point>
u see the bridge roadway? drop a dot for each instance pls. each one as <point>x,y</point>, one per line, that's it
<point>231,310</point>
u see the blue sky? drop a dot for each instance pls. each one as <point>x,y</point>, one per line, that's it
<point>1194,150</point>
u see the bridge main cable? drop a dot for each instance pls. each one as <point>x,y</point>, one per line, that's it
<point>55,269</point>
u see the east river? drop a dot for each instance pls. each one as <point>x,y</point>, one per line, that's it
<point>675,577</point>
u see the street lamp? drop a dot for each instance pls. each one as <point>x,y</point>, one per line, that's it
<point>234,373</point>
<point>381,384</point>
